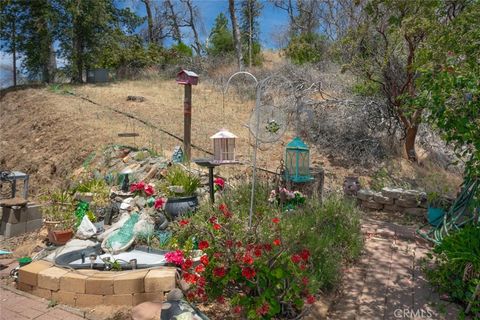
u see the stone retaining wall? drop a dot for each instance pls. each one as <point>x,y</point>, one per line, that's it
<point>86,288</point>
<point>411,202</point>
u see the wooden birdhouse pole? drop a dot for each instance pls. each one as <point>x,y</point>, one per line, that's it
<point>187,121</point>
<point>187,79</point>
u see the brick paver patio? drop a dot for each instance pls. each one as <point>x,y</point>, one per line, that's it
<point>21,306</point>
<point>388,283</point>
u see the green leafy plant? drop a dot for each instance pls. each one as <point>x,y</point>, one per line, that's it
<point>454,266</point>
<point>180,183</point>
<point>59,208</point>
<point>437,190</point>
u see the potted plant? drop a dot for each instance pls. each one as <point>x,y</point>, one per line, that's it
<point>59,217</point>
<point>181,190</point>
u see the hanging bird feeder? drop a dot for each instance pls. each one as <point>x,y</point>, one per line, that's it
<point>297,161</point>
<point>224,147</point>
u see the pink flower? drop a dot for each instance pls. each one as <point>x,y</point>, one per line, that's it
<point>296,258</point>
<point>175,257</point>
<point>159,203</point>
<point>237,309</point>
<point>149,190</point>
<point>219,182</point>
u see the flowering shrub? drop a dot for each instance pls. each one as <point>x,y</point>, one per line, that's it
<point>288,199</point>
<point>142,189</point>
<point>159,203</point>
<point>254,268</point>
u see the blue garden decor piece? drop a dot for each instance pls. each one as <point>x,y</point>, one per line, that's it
<point>297,161</point>
<point>177,156</point>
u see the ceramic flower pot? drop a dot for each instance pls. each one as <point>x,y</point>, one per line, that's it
<point>60,237</point>
<point>177,207</point>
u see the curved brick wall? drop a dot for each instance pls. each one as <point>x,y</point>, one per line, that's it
<point>85,288</point>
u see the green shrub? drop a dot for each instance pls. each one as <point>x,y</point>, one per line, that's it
<point>308,48</point>
<point>458,252</point>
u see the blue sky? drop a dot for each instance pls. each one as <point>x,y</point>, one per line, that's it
<point>271,20</point>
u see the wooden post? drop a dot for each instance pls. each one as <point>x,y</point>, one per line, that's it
<point>187,121</point>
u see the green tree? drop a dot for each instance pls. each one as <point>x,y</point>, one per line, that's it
<point>449,82</point>
<point>383,49</point>
<point>9,35</point>
<point>221,38</point>
<point>86,28</point>
<point>306,48</point>
<point>250,31</point>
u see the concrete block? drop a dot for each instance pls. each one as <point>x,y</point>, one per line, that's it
<point>50,278</point>
<point>160,280</point>
<point>119,300</point>
<point>34,212</point>
<point>64,297</point>
<point>14,216</point>
<point>89,300</point>
<point>372,205</point>
<point>379,198</point>
<point>147,296</point>
<point>33,225</point>
<point>42,293</point>
<point>414,195</point>
<point>11,230</point>
<point>365,195</point>
<point>73,282</point>
<point>98,285</point>
<point>29,273</point>
<point>406,203</point>
<point>130,282</point>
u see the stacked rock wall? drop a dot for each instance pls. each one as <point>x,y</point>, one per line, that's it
<point>412,202</point>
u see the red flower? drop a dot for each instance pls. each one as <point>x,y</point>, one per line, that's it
<point>216,226</point>
<point>203,245</point>
<point>247,259</point>
<point>212,220</point>
<point>159,203</point>
<point>257,252</point>
<point>204,260</point>
<point>219,182</point>
<point>227,214</point>
<point>263,310</point>
<point>296,258</point>
<point>302,266</point>
<point>228,243</point>
<point>223,207</point>
<point>217,255</point>
<point>310,299</point>
<point>187,264</point>
<point>305,281</point>
<point>248,272</point>
<point>267,247</point>
<point>237,309</point>
<point>221,300</point>
<point>238,244</point>
<point>277,242</point>
<point>276,220</point>
<point>201,281</point>
<point>183,222</point>
<point>149,190</point>
<point>190,296</point>
<point>200,268</point>
<point>190,278</point>
<point>305,254</point>
<point>219,272</point>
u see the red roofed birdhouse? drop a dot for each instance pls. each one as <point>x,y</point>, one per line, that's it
<point>187,77</point>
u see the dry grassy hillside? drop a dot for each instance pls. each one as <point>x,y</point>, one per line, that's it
<point>49,133</point>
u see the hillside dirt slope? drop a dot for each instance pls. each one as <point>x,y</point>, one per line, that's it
<point>49,132</point>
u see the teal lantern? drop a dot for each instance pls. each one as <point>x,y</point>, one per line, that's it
<point>297,161</point>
